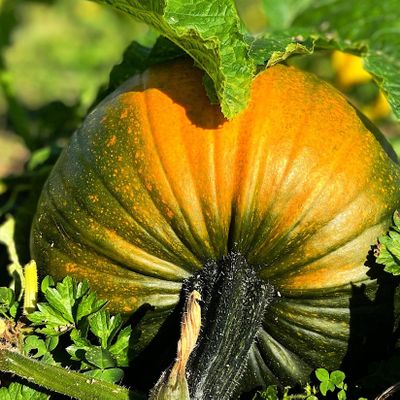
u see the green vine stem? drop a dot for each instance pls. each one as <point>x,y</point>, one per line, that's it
<point>64,381</point>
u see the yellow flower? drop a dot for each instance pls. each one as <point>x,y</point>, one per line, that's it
<point>349,69</point>
<point>380,108</point>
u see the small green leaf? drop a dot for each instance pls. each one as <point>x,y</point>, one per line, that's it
<point>120,349</point>
<point>100,358</point>
<point>62,298</point>
<point>17,391</point>
<point>270,393</point>
<point>342,395</point>
<point>322,374</point>
<point>41,349</point>
<point>51,342</point>
<point>388,251</point>
<point>105,327</point>
<point>68,303</point>
<point>112,375</point>
<point>13,309</point>
<point>326,386</point>
<point>33,342</point>
<point>89,305</point>
<point>39,157</point>
<point>312,397</point>
<point>6,300</point>
<point>79,347</point>
<point>47,282</point>
<point>337,377</point>
<point>53,321</point>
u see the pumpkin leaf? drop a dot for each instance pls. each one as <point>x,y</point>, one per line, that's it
<point>211,33</point>
<point>369,29</point>
<point>388,250</point>
<point>17,391</point>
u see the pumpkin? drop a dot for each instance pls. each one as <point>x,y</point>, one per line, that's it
<point>156,184</point>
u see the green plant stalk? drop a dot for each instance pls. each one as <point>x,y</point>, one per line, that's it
<point>64,381</point>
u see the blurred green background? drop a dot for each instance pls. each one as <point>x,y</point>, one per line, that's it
<point>55,55</point>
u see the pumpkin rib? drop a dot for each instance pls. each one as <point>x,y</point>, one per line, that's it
<point>89,243</point>
<point>296,340</point>
<point>258,371</point>
<point>214,253</point>
<point>184,217</point>
<point>312,267</point>
<point>149,235</point>
<point>333,249</point>
<point>286,363</point>
<point>170,287</point>
<point>295,149</point>
<point>276,182</point>
<point>218,206</point>
<point>314,305</point>
<point>291,320</point>
<point>234,226</point>
<point>147,114</point>
<point>304,214</point>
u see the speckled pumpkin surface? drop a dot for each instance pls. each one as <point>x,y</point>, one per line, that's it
<point>156,182</point>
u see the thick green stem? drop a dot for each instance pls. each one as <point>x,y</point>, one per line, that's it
<point>62,380</point>
<point>234,304</point>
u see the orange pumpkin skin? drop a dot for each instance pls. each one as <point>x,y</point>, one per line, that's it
<point>156,182</point>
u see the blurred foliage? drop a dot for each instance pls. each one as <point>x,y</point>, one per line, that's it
<point>54,57</point>
<point>64,49</point>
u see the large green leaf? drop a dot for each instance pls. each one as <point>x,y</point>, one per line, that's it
<point>367,28</point>
<point>211,33</point>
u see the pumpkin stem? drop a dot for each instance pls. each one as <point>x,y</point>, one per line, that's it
<point>234,300</point>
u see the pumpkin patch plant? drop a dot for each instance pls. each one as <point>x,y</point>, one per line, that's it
<point>227,204</point>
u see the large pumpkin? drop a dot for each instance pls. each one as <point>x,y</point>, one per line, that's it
<point>156,183</point>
